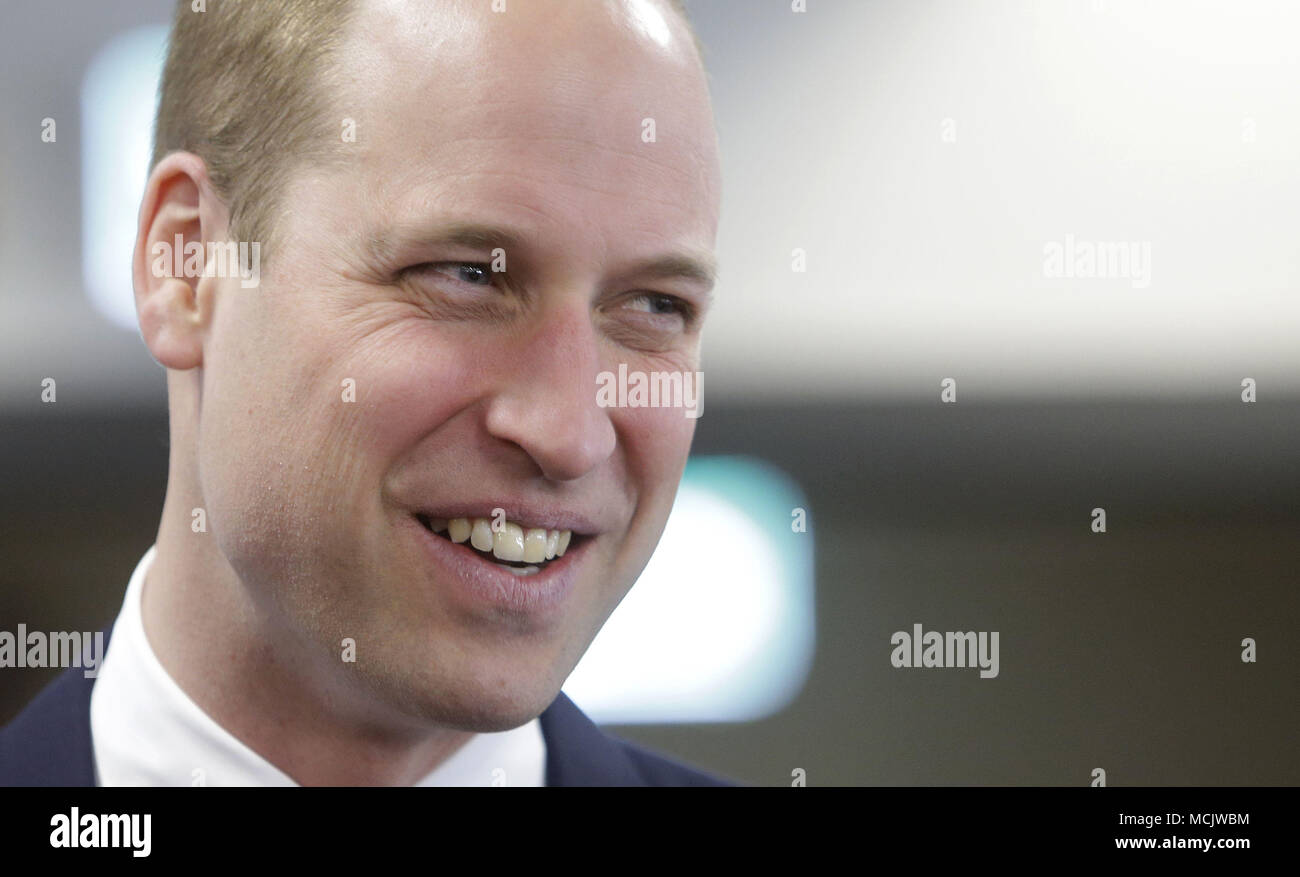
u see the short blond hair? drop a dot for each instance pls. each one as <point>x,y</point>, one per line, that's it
<point>243,89</point>
<point>246,88</point>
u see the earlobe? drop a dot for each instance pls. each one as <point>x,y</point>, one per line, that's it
<point>169,324</point>
<point>177,218</point>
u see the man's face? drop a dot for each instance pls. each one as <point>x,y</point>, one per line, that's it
<point>474,390</point>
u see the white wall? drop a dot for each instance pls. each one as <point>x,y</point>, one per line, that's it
<point>1173,125</point>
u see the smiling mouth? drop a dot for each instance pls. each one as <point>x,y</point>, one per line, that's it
<point>524,551</point>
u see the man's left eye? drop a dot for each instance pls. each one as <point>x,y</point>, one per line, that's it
<point>658,303</point>
<point>473,273</point>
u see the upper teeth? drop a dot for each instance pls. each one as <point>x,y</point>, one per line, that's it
<point>509,542</point>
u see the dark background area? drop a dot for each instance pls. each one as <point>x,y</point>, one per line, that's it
<point>1118,650</point>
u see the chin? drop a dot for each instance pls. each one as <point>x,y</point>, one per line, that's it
<point>488,710</point>
<point>485,697</point>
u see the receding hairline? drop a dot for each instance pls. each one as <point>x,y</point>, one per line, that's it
<point>249,88</point>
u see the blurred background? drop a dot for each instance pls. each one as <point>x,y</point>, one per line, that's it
<point>1081,214</point>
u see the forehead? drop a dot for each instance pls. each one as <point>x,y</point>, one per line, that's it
<point>535,117</point>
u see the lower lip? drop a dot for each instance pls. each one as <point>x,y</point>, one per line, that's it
<point>539,596</point>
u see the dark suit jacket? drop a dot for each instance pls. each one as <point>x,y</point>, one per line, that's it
<point>48,744</point>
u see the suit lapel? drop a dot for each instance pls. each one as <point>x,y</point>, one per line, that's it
<point>580,754</point>
<point>50,744</point>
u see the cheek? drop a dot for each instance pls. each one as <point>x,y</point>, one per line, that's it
<point>299,425</point>
<point>258,433</point>
<point>409,382</point>
<point>656,444</point>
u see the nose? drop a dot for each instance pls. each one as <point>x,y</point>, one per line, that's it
<point>547,401</point>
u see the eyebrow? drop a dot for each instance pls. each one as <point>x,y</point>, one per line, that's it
<point>699,268</point>
<point>384,243</point>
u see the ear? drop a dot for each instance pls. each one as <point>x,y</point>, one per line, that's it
<point>180,209</point>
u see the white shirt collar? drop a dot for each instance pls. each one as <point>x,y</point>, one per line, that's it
<point>146,731</point>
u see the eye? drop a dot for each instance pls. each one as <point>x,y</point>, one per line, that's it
<point>659,304</point>
<point>471,273</point>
